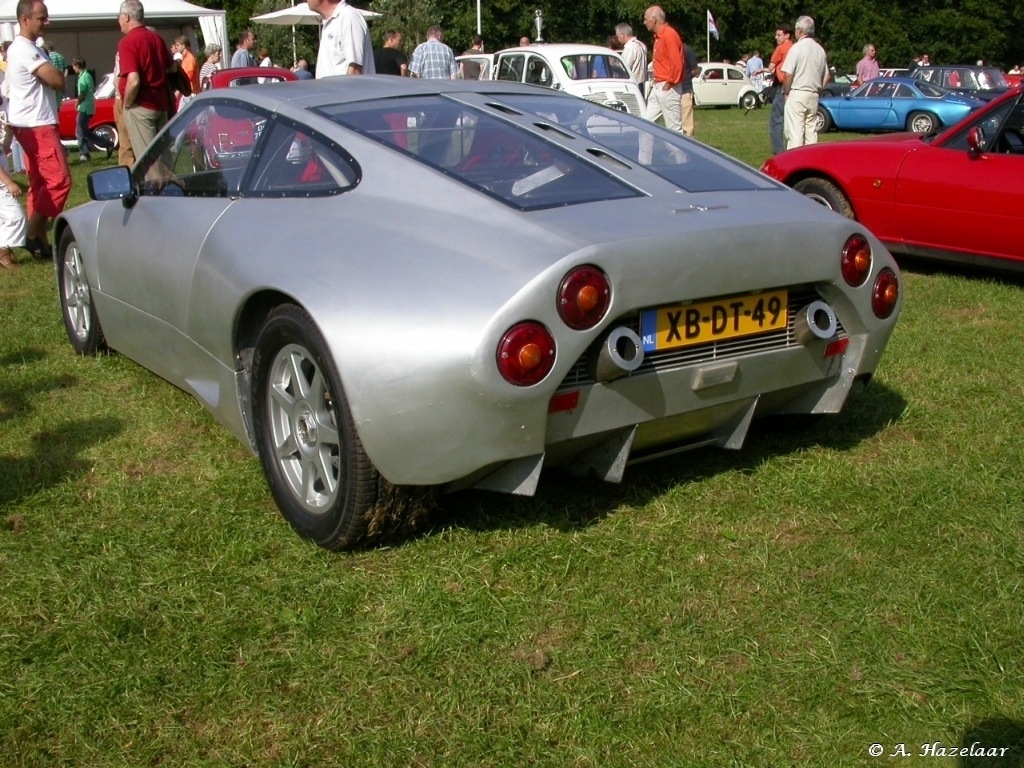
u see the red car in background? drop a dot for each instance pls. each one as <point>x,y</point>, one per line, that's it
<point>955,196</point>
<point>103,118</point>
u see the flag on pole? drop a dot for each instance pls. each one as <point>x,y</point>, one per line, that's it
<point>712,27</point>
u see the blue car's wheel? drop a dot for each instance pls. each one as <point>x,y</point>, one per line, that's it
<point>822,121</point>
<point>922,122</point>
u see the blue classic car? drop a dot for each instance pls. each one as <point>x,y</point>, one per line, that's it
<point>894,104</point>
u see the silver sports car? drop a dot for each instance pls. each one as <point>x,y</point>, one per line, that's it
<point>378,283</point>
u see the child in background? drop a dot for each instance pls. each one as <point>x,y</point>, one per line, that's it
<point>12,217</point>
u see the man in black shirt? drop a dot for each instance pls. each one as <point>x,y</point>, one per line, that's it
<point>470,70</point>
<point>390,60</point>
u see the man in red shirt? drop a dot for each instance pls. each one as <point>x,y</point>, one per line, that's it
<point>783,42</point>
<point>666,91</point>
<point>144,61</point>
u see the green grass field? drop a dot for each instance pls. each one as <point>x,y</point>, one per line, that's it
<point>853,581</point>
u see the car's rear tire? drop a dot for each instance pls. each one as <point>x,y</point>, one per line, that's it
<point>109,133</point>
<point>922,122</point>
<point>828,194</point>
<point>80,319</point>
<point>822,121</point>
<point>323,482</point>
<point>748,101</point>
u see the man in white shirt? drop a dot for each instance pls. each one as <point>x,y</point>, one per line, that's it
<point>634,53</point>
<point>805,73</point>
<point>32,115</point>
<point>345,47</point>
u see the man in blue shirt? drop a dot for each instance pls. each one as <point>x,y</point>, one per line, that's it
<point>433,60</point>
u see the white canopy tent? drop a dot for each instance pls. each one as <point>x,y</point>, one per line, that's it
<point>88,28</point>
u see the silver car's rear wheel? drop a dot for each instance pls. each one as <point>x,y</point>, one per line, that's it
<point>76,307</point>
<point>321,479</point>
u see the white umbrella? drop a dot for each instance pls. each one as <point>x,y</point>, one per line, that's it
<point>299,14</point>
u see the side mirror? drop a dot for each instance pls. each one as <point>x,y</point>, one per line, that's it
<point>976,142</point>
<point>112,184</point>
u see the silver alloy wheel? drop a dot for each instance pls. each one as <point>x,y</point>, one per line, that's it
<point>77,296</point>
<point>304,429</point>
<point>923,123</point>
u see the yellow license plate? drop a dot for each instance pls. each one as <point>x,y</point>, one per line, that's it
<point>684,325</point>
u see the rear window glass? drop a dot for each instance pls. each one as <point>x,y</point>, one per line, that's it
<point>685,163</point>
<point>498,158</point>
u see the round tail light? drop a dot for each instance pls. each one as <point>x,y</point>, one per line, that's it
<point>583,298</point>
<point>885,294</point>
<point>856,261</point>
<point>526,354</point>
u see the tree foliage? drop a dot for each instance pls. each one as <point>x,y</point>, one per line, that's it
<point>951,31</point>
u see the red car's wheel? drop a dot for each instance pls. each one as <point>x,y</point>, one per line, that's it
<point>826,193</point>
<point>109,133</point>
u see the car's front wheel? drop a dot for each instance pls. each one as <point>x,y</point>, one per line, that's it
<point>828,194</point>
<point>922,122</point>
<point>822,121</point>
<point>323,482</point>
<point>76,307</point>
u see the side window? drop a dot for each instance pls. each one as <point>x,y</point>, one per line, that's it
<point>511,68</point>
<point>990,126</point>
<point>202,154</point>
<point>537,72</point>
<point>904,92</point>
<point>294,163</point>
<point>714,74</point>
<point>734,75</point>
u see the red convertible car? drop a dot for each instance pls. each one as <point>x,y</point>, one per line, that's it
<point>955,196</point>
<point>103,119</point>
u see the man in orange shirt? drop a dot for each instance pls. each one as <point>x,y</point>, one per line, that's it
<point>666,89</point>
<point>783,42</point>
